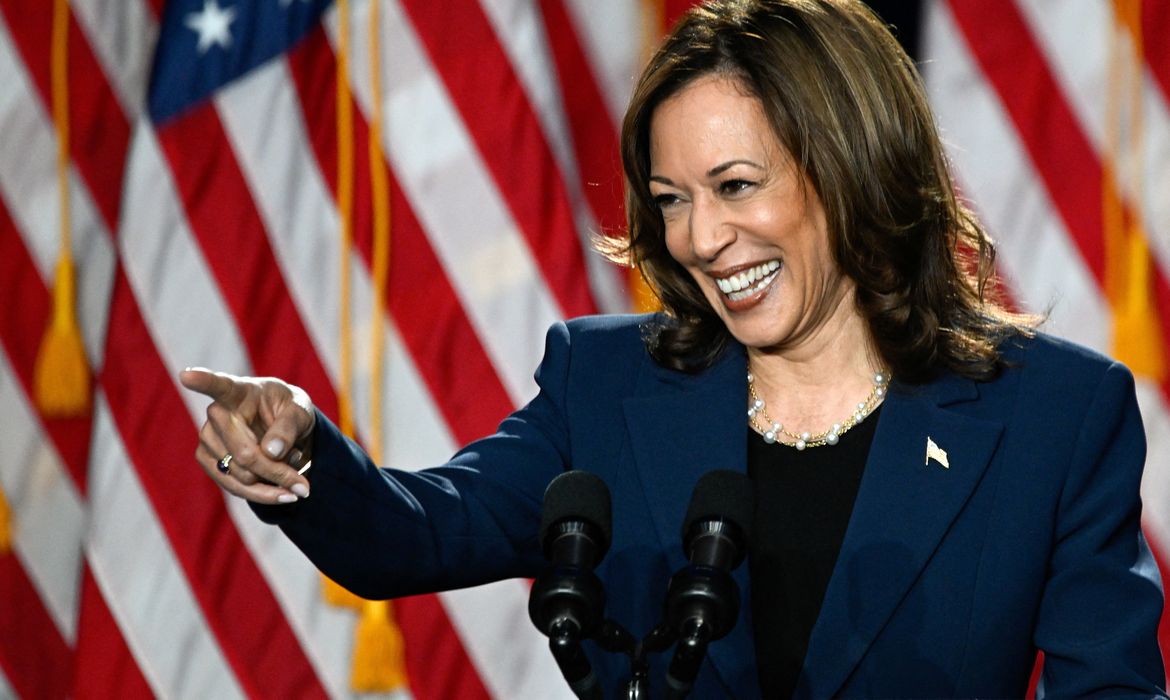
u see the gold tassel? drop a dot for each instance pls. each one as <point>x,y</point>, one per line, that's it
<point>336,594</point>
<point>61,372</point>
<point>5,525</point>
<point>379,659</point>
<point>1137,337</point>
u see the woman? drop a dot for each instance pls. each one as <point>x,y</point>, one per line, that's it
<point>941,490</point>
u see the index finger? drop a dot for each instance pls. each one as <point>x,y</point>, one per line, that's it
<point>219,386</point>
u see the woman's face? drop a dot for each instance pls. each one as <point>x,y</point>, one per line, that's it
<point>741,218</point>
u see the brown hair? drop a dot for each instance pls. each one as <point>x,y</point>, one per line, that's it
<point>846,101</point>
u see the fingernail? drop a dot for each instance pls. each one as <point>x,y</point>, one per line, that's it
<point>286,498</point>
<point>275,447</point>
<point>300,490</point>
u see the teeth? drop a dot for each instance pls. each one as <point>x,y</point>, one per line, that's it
<point>749,281</point>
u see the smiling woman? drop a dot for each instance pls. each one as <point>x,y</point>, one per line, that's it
<point>940,489</point>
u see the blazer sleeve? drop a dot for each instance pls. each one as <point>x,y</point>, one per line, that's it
<point>1098,617</point>
<point>385,533</point>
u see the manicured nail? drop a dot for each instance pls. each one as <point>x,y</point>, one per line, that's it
<point>300,490</point>
<point>275,447</point>
<point>286,498</point>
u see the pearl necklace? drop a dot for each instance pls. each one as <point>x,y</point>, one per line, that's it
<point>761,422</point>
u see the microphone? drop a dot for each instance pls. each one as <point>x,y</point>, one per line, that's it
<point>702,601</point>
<point>567,601</point>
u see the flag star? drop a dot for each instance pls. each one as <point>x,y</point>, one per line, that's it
<point>213,24</point>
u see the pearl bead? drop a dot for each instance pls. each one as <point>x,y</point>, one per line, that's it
<point>769,437</point>
<point>879,392</point>
<point>776,427</point>
<point>836,428</point>
<point>805,437</point>
<point>832,438</point>
<point>860,405</point>
<point>758,404</point>
<point>752,412</point>
<point>879,378</point>
<point>800,445</point>
<point>751,377</point>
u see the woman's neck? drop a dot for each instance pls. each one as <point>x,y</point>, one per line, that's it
<point>810,386</point>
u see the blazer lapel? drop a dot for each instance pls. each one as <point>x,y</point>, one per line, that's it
<point>682,426</point>
<point>904,506</point>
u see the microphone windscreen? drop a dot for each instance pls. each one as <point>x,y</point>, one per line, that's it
<point>725,495</point>
<point>577,495</point>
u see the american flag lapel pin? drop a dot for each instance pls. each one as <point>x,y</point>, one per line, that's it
<point>938,454</point>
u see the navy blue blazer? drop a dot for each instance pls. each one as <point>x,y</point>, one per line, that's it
<point>949,577</point>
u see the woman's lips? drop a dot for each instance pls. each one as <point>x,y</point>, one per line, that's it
<point>746,288</point>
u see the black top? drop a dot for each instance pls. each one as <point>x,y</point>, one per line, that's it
<point>803,506</point>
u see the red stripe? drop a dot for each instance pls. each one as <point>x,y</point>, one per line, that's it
<point>1155,29</point>
<point>436,663</point>
<point>1062,156</point>
<point>239,608</point>
<point>105,668</point>
<point>36,659</point>
<point>420,298</point>
<point>467,55</point>
<point>99,132</point>
<point>595,140</point>
<point>238,252</point>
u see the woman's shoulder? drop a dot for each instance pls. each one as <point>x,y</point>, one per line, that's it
<point>1046,354</point>
<point>1043,368</point>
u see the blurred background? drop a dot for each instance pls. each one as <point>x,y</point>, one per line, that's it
<point>388,203</point>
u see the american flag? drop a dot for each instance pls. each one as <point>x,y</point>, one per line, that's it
<point>202,179</point>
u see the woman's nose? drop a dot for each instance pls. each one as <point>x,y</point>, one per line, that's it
<point>710,232</point>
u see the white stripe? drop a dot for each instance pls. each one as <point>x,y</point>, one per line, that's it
<point>28,186</point>
<point>172,283</point>
<point>1074,38</point>
<point>487,258</point>
<point>141,580</point>
<point>122,34</point>
<point>6,690</point>
<point>48,518</point>
<point>1156,479</point>
<point>1037,255</point>
<point>612,36</point>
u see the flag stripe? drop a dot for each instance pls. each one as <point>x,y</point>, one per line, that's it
<point>30,640</point>
<point>496,112</point>
<point>223,578</point>
<point>1155,29</point>
<point>594,138</point>
<point>105,667</point>
<point>99,131</point>
<point>148,592</point>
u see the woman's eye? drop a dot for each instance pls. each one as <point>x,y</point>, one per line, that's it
<point>732,187</point>
<point>662,201</point>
